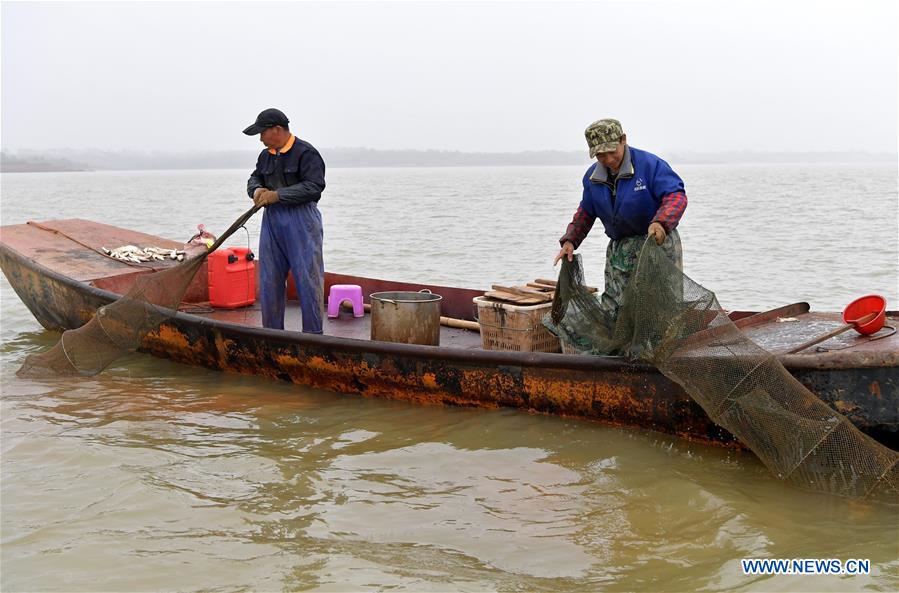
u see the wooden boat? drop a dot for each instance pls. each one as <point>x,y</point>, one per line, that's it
<point>58,270</point>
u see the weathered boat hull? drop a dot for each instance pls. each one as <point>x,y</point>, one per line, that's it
<point>606,389</point>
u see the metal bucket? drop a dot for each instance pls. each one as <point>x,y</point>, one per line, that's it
<point>406,317</point>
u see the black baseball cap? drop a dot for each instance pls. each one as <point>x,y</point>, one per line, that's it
<point>267,119</point>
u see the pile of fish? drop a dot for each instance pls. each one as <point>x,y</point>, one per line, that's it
<point>130,253</point>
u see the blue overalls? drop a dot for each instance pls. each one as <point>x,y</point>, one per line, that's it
<point>292,234</point>
<point>291,240</point>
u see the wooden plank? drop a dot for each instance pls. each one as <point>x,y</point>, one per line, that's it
<point>534,294</point>
<point>547,296</point>
<point>554,284</point>
<point>541,287</point>
<point>793,310</point>
<point>512,298</point>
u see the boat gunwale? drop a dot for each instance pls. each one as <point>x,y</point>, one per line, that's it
<point>813,361</point>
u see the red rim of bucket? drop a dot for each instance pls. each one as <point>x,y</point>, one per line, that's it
<point>865,305</point>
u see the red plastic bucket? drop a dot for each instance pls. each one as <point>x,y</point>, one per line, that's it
<point>872,303</point>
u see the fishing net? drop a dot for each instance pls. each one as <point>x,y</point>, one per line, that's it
<point>673,323</point>
<point>119,327</point>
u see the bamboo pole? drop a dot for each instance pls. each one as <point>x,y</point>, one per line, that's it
<point>447,321</point>
<point>836,332</point>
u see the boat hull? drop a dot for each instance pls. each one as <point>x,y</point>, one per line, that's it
<point>605,389</point>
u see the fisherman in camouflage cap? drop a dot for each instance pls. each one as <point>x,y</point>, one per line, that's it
<point>603,136</point>
<point>633,193</point>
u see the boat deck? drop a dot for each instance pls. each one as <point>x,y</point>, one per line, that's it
<point>776,337</point>
<point>73,248</point>
<point>345,326</point>
<point>779,338</point>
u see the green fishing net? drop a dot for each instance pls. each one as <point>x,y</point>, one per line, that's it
<point>677,325</point>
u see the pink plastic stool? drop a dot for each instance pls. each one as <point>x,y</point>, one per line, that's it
<point>345,292</point>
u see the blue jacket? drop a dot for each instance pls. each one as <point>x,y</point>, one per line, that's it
<point>628,207</point>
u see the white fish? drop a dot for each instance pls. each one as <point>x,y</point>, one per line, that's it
<point>132,253</point>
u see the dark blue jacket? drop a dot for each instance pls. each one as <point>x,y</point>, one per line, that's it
<point>298,174</point>
<point>627,207</point>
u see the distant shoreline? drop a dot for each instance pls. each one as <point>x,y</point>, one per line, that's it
<point>67,160</point>
<point>14,164</point>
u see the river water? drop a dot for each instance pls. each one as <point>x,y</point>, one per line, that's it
<point>158,476</point>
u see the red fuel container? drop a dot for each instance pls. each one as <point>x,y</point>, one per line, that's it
<point>232,278</point>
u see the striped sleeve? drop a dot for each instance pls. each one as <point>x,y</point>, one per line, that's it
<point>671,210</point>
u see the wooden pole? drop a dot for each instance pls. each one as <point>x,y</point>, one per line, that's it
<point>447,321</point>
<point>836,332</point>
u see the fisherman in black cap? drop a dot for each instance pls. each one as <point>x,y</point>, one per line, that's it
<point>288,181</point>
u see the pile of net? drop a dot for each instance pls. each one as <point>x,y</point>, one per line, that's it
<point>119,327</point>
<point>678,326</point>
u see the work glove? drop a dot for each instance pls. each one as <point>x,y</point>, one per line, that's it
<point>265,197</point>
<point>658,232</point>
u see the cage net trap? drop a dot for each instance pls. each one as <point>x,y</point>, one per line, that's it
<point>677,325</point>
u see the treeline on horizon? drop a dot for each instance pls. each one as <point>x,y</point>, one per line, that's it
<point>108,160</point>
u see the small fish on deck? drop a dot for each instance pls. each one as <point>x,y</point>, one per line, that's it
<point>134,254</point>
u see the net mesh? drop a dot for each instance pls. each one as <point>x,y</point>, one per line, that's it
<point>119,327</point>
<point>677,325</point>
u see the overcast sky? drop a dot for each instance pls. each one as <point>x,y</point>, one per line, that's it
<point>681,76</point>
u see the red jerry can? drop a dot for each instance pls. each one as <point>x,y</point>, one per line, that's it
<point>232,278</point>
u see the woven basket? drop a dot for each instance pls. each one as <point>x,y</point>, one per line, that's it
<point>515,328</point>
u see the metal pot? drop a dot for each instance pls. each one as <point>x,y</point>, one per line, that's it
<point>406,317</point>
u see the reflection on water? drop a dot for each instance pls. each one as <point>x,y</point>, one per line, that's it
<point>159,476</point>
<point>156,476</point>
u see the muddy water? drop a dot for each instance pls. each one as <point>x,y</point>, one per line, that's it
<point>156,476</point>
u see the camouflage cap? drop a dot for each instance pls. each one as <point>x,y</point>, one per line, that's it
<point>603,135</point>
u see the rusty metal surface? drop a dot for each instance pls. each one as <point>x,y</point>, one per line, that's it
<point>62,247</point>
<point>457,302</point>
<point>345,326</point>
<point>607,389</point>
<point>624,397</point>
<point>846,350</point>
<point>780,337</point>
<point>58,253</point>
<point>869,397</point>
